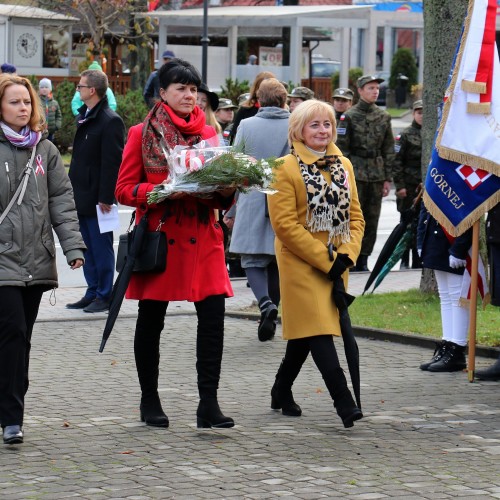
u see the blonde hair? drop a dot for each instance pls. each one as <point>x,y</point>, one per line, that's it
<point>37,118</point>
<point>304,113</point>
<point>211,119</point>
<point>272,93</point>
<point>252,100</point>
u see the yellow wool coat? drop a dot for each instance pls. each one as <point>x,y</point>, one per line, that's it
<point>303,260</point>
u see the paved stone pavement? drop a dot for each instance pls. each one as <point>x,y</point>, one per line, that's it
<point>424,435</point>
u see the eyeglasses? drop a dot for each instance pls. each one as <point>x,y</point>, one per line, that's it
<point>78,87</point>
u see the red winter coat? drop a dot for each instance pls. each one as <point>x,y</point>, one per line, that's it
<point>196,267</point>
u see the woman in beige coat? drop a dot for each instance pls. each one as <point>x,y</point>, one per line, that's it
<point>316,204</point>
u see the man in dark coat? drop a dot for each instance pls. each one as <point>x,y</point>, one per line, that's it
<point>97,154</point>
<point>365,137</point>
<point>152,88</point>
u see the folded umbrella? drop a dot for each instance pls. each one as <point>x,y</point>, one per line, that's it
<point>343,300</point>
<point>123,279</point>
<point>408,217</point>
<point>398,252</point>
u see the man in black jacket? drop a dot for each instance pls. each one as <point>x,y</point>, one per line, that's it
<point>97,154</point>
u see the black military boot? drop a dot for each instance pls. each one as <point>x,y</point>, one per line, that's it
<point>281,393</point>
<point>342,398</point>
<point>438,354</point>
<point>361,264</point>
<point>491,373</point>
<point>209,348</point>
<point>405,260</point>
<point>453,359</point>
<point>268,315</point>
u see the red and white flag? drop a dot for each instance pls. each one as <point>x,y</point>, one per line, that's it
<point>468,132</point>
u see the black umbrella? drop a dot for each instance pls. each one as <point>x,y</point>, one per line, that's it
<point>407,219</point>
<point>343,300</point>
<point>123,279</point>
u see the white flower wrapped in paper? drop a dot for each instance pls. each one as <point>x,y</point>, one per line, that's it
<point>202,170</point>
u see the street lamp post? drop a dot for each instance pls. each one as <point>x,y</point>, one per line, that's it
<point>204,42</point>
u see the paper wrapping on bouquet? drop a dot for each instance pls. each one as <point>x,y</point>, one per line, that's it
<point>469,132</point>
<point>201,170</point>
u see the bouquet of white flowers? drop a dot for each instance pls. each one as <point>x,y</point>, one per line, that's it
<point>202,170</point>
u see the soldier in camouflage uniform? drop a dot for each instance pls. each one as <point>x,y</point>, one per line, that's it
<point>342,101</point>
<point>364,135</point>
<point>407,173</point>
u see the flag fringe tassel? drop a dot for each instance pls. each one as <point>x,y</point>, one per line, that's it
<point>473,87</point>
<point>479,108</point>
<point>468,159</point>
<point>468,222</point>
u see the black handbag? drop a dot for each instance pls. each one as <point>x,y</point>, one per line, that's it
<point>152,255</point>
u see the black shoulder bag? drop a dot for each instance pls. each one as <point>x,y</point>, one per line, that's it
<point>152,254</point>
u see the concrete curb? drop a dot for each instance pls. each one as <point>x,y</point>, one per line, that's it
<point>390,336</point>
<point>359,331</point>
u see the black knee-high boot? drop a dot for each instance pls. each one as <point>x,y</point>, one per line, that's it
<point>281,393</point>
<point>209,348</point>
<point>326,359</point>
<point>343,401</point>
<point>150,323</point>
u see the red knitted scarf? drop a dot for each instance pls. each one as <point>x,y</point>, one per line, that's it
<point>163,130</point>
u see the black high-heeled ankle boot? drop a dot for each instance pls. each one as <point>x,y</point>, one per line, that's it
<point>282,396</point>
<point>343,401</point>
<point>209,415</point>
<point>348,411</point>
<point>152,413</point>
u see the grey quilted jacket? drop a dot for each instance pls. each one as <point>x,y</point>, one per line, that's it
<point>27,247</point>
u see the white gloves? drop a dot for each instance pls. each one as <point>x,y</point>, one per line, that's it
<point>419,251</point>
<point>457,263</point>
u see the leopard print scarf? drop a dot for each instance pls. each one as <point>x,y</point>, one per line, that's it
<point>327,204</point>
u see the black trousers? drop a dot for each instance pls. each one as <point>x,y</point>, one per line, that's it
<point>18,311</point>
<point>209,344</point>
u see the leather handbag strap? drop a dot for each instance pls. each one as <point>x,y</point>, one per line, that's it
<point>21,189</point>
<point>285,150</point>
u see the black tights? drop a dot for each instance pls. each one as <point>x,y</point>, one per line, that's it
<point>321,348</point>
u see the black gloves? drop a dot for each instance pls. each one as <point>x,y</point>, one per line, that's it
<point>342,262</point>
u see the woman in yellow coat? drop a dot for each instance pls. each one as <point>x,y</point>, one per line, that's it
<point>316,204</point>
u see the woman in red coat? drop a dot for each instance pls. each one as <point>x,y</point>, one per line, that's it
<point>196,269</point>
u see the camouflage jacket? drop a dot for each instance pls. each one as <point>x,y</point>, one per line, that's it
<point>364,135</point>
<point>53,113</point>
<point>407,166</point>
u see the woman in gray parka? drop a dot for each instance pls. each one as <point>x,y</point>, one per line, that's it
<point>262,136</point>
<point>35,196</point>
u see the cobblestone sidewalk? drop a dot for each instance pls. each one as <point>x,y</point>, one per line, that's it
<point>424,435</point>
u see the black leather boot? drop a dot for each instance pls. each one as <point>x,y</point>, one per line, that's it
<point>209,348</point>
<point>453,359</point>
<point>268,314</point>
<point>152,413</point>
<point>281,393</point>
<point>491,373</point>
<point>438,354</point>
<point>150,323</point>
<point>405,260</point>
<point>361,264</point>
<point>342,398</point>
<point>209,415</point>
